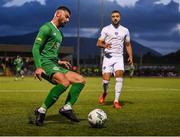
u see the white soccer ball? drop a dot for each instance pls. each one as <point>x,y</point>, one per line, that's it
<point>97,118</point>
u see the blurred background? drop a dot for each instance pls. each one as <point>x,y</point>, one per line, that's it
<point>154,27</point>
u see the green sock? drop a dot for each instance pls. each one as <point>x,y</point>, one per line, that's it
<point>74,93</point>
<point>53,95</point>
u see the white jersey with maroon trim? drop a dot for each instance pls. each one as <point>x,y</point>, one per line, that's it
<point>116,38</point>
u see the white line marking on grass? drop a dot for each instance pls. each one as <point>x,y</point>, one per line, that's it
<point>22,90</point>
<point>89,90</point>
<point>150,89</point>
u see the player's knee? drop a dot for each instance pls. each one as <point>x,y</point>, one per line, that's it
<point>119,73</point>
<point>119,79</point>
<point>105,81</point>
<point>82,80</point>
<point>66,83</point>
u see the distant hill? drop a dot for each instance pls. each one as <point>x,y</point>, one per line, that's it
<point>87,45</point>
<point>172,58</point>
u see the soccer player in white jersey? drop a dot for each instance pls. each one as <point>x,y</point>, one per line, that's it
<point>113,38</point>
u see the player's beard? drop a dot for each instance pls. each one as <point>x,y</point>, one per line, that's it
<point>116,23</point>
<point>61,24</point>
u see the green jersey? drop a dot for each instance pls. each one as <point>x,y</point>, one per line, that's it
<point>45,50</point>
<point>47,43</point>
<point>19,63</point>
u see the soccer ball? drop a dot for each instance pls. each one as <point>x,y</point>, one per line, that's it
<point>97,118</point>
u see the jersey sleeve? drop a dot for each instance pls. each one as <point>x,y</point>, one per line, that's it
<point>39,43</point>
<point>103,35</point>
<point>127,37</point>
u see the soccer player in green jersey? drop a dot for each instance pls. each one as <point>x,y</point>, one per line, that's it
<point>49,67</point>
<point>18,62</point>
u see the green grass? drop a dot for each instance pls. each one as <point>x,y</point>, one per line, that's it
<point>152,107</point>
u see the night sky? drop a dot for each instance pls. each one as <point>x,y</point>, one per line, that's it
<point>153,23</point>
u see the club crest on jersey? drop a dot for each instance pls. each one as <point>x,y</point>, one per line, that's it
<point>54,34</point>
<point>116,33</point>
<point>55,68</point>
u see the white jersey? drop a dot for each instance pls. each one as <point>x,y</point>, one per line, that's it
<point>116,38</point>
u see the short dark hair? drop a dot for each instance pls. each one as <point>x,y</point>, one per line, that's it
<point>64,8</point>
<point>116,11</point>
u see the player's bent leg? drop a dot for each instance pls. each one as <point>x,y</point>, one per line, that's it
<point>61,78</point>
<point>56,91</point>
<point>78,83</point>
<point>105,84</point>
<point>74,77</point>
<point>52,97</point>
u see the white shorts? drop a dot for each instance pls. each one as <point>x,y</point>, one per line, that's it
<point>111,65</point>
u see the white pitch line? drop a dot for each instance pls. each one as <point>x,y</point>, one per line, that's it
<point>146,88</point>
<point>89,90</point>
<point>21,90</point>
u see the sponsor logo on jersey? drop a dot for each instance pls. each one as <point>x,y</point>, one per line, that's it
<point>39,39</point>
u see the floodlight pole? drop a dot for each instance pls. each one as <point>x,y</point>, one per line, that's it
<point>101,26</point>
<point>78,35</point>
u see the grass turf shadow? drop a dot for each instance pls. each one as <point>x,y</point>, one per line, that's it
<point>122,103</point>
<point>57,118</point>
<point>53,119</point>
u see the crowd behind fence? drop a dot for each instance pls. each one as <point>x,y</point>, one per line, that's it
<point>7,68</point>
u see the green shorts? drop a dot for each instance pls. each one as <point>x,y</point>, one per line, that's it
<point>18,69</point>
<point>52,68</point>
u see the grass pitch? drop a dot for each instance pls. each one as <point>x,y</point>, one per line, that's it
<point>152,107</point>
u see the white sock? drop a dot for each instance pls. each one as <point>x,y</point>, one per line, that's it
<point>105,86</point>
<point>67,107</point>
<point>42,110</point>
<point>118,88</point>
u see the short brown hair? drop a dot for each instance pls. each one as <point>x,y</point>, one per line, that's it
<point>64,8</point>
<point>116,11</point>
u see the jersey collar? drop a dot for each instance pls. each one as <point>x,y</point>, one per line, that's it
<point>114,27</point>
<point>54,25</point>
